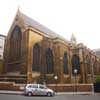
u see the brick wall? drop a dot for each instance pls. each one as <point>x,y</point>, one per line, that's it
<point>58,87</point>
<point>71,88</point>
<point>9,86</point>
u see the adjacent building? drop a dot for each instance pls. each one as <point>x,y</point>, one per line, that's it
<point>97,52</point>
<point>2,41</point>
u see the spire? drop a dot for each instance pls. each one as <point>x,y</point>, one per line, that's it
<point>18,10</point>
<point>18,13</point>
<point>73,40</point>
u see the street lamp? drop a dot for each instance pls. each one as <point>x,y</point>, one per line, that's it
<point>56,77</point>
<point>75,73</point>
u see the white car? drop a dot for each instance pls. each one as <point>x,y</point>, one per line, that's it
<point>38,89</point>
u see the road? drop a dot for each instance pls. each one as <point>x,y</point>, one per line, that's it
<point>57,97</point>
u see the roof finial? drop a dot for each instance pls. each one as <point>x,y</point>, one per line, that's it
<point>18,8</point>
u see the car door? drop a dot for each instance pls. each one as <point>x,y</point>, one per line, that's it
<point>42,90</point>
<point>35,89</point>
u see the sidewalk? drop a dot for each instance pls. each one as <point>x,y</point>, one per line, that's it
<point>58,93</point>
<point>11,92</point>
<point>75,93</point>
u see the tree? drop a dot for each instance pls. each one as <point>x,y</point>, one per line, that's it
<point>98,79</point>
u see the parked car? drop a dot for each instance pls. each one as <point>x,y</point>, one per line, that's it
<point>38,89</point>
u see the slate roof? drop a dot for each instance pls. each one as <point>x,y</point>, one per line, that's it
<point>30,22</point>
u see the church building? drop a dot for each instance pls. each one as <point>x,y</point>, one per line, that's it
<point>35,54</point>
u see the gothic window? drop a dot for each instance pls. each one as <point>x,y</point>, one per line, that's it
<point>88,64</point>
<point>65,63</point>
<point>36,58</point>
<point>75,64</point>
<point>95,68</point>
<point>49,61</point>
<point>15,42</point>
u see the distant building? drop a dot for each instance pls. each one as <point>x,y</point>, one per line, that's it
<point>97,52</point>
<point>2,41</point>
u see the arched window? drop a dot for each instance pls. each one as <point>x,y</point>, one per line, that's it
<point>36,58</point>
<point>95,68</point>
<point>88,64</point>
<point>49,61</point>
<point>15,43</point>
<point>65,63</point>
<point>75,64</point>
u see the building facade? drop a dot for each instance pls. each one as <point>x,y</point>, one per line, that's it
<point>2,41</point>
<point>35,54</point>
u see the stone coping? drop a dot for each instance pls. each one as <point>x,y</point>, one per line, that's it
<point>68,84</point>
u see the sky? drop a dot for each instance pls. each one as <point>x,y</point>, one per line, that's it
<point>80,17</point>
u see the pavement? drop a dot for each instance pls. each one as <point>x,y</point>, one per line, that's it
<point>11,92</point>
<point>57,97</point>
<point>57,93</point>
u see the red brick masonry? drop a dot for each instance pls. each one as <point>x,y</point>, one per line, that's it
<point>58,87</point>
<point>9,86</point>
<point>72,87</point>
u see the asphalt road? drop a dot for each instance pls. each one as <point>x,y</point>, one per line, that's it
<point>57,97</point>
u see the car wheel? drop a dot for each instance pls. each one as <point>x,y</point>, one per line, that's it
<point>49,94</point>
<point>29,93</point>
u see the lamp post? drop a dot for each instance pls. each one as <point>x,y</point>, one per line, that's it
<point>75,72</point>
<point>56,77</point>
<point>92,78</point>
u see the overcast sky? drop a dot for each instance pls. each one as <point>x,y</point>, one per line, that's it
<point>81,17</point>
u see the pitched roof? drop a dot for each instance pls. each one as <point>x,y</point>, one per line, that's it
<point>30,22</point>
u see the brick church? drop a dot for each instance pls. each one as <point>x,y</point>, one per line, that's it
<point>35,54</point>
